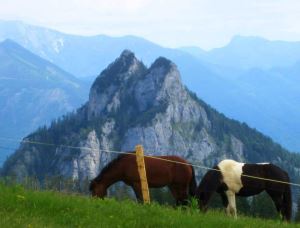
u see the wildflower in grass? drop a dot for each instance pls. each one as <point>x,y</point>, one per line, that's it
<point>21,197</point>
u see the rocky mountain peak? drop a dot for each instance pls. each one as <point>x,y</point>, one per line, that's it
<point>127,54</point>
<point>127,78</point>
<point>105,93</point>
<point>164,70</point>
<point>126,63</point>
<point>160,85</point>
<point>162,62</point>
<point>123,68</point>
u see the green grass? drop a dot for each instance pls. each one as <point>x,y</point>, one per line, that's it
<point>25,208</point>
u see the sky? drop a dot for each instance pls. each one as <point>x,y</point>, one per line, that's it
<point>171,23</point>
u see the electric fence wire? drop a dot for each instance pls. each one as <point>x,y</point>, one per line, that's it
<point>24,141</point>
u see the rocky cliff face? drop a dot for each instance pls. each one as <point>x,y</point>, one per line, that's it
<point>131,104</point>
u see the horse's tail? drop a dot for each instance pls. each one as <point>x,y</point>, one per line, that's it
<point>193,184</point>
<point>287,203</point>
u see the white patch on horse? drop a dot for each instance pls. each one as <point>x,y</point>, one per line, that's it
<point>263,163</point>
<point>232,172</point>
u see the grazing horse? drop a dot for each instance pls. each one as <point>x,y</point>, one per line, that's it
<point>179,178</point>
<point>230,178</point>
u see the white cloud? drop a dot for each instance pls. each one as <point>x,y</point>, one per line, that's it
<point>205,23</point>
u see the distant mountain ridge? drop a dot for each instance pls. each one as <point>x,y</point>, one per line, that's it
<point>89,54</point>
<point>33,92</point>
<point>248,52</point>
<point>11,51</point>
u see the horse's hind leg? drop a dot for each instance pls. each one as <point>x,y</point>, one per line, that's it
<point>277,199</point>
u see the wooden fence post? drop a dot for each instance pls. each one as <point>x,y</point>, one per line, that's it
<point>142,172</point>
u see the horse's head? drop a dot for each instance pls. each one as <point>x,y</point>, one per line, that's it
<point>207,187</point>
<point>203,199</point>
<point>97,189</point>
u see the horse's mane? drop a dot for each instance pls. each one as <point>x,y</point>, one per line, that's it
<point>111,164</point>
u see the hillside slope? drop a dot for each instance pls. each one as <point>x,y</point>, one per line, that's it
<point>265,76</point>
<point>30,89</point>
<point>19,207</point>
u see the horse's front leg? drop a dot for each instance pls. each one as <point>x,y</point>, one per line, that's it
<point>231,208</point>
<point>138,191</point>
<point>224,201</point>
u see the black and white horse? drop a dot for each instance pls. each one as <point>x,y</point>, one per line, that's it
<point>229,178</point>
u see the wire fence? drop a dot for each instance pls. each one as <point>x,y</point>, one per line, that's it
<point>26,141</point>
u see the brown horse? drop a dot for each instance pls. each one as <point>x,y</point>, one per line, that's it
<point>180,178</point>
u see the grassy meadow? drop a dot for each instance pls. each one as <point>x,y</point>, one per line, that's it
<point>28,208</point>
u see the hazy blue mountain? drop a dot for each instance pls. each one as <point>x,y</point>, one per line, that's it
<point>86,56</point>
<point>270,101</point>
<point>195,51</point>
<point>248,52</point>
<point>82,55</point>
<point>33,91</point>
<point>227,78</point>
<point>266,76</point>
